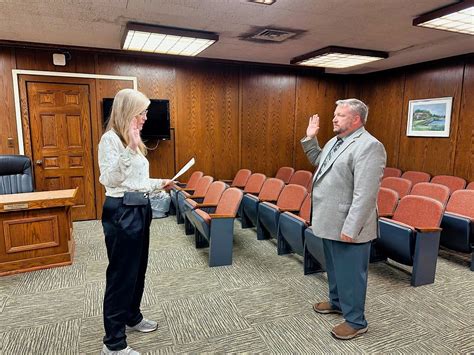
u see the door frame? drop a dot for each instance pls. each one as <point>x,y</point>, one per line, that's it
<point>16,92</point>
<point>21,77</point>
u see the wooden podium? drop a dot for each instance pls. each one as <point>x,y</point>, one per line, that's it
<point>36,230</point>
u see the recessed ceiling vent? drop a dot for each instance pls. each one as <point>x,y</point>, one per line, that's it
<point>272,35</point>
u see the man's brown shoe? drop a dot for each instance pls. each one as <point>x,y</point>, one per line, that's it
<point>344,331</point>
<point>325,308</point>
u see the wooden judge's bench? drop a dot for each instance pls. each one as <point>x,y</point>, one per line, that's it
<point>36,230</point>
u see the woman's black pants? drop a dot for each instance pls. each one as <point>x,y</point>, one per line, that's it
<point>127,238</point>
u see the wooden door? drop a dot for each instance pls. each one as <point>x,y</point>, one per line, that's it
<point>60,127</point>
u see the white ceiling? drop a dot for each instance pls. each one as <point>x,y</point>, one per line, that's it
<point>384,25</point>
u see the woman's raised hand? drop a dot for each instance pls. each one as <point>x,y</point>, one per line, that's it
<point>133,134</point>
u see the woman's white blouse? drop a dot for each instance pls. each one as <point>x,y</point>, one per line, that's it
<point>122,169</point>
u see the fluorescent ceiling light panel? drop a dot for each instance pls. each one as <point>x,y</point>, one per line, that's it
<point>166,40</point>
<point>458,17</point>
<point>338,57</point>
<point>263,2</point>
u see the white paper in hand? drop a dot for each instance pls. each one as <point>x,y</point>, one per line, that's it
<point>184,169</point>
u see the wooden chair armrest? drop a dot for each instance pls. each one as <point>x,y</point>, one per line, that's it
<point>227,181</point>
<point>214,215</point>
<point>428,229</point>
<point>187,190</point>
<point>201,205</point>
<point>386,215</point>
<point>271,201</point>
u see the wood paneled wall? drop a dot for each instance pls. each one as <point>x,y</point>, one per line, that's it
<point>227,116</point>
<point>231,116</point>
<point>7,107</point>
<point>388,94</point>
<point>268,111</point>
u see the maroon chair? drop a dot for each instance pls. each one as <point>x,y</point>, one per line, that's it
<point>291,227</point>
<point>470,186</point>
<point>416,176</point>
<point>458,223</point>
<point>271,189</point>
<point>210,200</point>
<point>400,185</point>
<point>290,199</point>
<point>216,230</point>
<point>285,173</point>
<point>201,188</point>
<point>412,236</point>
<point>301,177</point>
<point>387,201</point>
<point>391,172</point>
<point>240,179</point>
<point>453,183</point>
<point>189,187</point>
<point>254,184</point>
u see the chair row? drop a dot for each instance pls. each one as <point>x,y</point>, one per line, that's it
<point>200,208</point>
<point>452,182</point>
<point>250,183</point>
<point>412,236</point>
<point>457,233</point>
<point>404,186</point>
<point>419,225</point>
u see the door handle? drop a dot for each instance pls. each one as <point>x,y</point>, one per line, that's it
<point>39,162</point>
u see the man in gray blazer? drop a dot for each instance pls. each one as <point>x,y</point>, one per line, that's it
<point>344,215</point>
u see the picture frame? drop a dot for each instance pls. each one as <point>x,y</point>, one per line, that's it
<point>429,117</point>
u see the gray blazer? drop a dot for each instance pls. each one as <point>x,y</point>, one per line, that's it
<point>344,195</point>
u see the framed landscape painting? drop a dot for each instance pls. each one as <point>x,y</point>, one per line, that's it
<point>429,117</point>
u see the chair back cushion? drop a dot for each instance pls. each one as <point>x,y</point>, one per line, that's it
<point>292,197</point>
<point>214,192</point>
<point>305,211</point>
<point>419,211</point>
<point>470,186</point>
<point>452,182</point>
<point>230,201</point>
<point>301,177</point>
<point>194,178</point>
<point>15,174</point>
<point>241,178</point>
<point>428,189</point>
<point>285,173</point>
<point>416,176</point>
<point>462,202</point>
<point>391,172</point>
<point>309,187</point>
<point>271,189</point>
<point>203,185</point>
<point>401,185</point>
<point>255,183</point>
<point>387,201</point>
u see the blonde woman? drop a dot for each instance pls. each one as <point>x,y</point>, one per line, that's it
<point>126,218</point>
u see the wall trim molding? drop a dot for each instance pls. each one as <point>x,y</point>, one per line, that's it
<point>16,91</point>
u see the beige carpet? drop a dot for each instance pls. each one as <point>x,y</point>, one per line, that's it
<point>260,304</point>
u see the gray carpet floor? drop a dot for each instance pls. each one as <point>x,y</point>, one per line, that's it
<point>260,304</point>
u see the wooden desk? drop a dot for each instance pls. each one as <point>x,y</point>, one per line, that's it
<point>36,230</point>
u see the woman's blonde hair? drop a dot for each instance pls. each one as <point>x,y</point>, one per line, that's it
<point>128,103</point>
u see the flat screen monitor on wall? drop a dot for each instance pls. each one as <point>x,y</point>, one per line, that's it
<point>157,125</point>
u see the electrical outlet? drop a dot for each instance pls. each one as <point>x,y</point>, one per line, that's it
<point>10,142</point>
